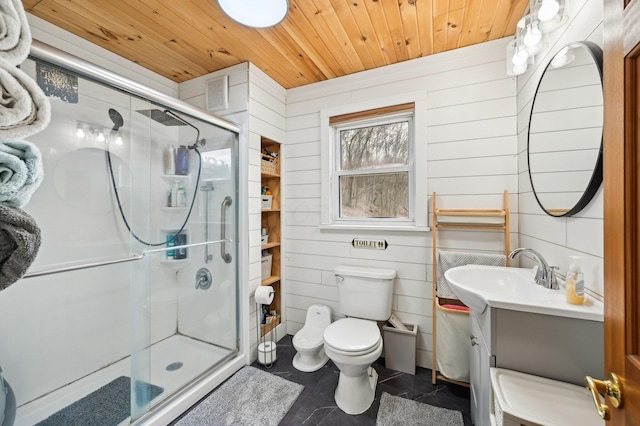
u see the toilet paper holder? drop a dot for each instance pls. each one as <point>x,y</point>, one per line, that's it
<point>266,346</point>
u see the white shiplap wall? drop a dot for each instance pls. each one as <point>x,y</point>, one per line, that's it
<point>471,158</point>
<point>582,234</point>
<point>256,104</point>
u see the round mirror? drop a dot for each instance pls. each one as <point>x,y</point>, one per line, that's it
<point>565,130</point>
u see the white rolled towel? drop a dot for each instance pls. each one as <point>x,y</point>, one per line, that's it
<point>24,108</point>
<point>15,34</point>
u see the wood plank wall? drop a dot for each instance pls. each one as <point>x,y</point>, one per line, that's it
<point>471,159</point>
<point>558,238</point>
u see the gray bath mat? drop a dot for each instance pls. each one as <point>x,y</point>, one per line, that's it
<point>395,410</point>
<point>250,397</point>
<point>107,406</point>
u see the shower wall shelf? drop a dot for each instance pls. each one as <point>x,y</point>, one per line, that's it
<point>175,209</point>
<point>270,177</point>
<point>171,178</point>
<point>175,263</point>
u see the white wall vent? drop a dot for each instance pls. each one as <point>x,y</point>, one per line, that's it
<point>217,93</point>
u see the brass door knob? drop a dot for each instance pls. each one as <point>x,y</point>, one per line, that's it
<point>612,388</point>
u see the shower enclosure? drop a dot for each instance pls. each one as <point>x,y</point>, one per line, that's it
<point>135,290</point>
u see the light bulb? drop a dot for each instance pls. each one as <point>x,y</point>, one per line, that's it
<point>519,56</point>
<point>101,137</point>
<point>548,10</point>
<point>532,36</point>
<point>519,69</point>
<point>118,140</point>
<point>80,133</point>
<point>562,58</point>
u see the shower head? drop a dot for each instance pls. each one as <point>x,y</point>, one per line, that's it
<point>117,120</point>
<point>170,118</point>
<point>163,117</point>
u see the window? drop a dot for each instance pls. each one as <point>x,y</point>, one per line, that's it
<point>373,164</point>
<point>374,169</point>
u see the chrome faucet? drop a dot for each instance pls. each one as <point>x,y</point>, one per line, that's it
<point>545,275</point>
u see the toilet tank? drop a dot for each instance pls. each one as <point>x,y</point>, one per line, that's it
<point>365,292</point>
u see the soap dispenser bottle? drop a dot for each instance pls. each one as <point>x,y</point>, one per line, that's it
<point>575,283</point>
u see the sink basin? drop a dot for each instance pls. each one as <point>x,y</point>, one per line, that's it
<point>480,286</point>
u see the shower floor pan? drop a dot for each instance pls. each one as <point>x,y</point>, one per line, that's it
<point>194,355</point>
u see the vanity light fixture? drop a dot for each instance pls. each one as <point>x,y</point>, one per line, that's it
<point>517,58</point>
<point>541,17</point>
<point>255,13</point>
<point>529,32</point>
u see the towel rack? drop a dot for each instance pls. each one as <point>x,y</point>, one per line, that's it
<point>130,258</point>
<point>462,219</point>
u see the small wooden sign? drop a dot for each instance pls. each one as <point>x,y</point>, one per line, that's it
<point>370,244</point>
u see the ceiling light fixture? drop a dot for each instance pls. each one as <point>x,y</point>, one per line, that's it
<point>255,13</point>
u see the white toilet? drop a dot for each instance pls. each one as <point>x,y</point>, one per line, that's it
<point>354,343</point>
<point>308,340</point>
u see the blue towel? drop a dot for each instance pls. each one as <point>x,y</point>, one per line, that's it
<point>20,172</point>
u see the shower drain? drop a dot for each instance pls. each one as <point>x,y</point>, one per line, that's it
<point>174,366</point>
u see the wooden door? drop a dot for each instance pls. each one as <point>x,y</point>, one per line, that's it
<point>622,203</point>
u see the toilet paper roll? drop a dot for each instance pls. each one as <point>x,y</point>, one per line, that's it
<point>264,295</point>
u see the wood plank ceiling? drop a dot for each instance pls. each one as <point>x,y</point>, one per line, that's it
<point>319,39</point>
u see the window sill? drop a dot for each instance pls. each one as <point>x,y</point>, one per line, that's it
<point>363,227</point>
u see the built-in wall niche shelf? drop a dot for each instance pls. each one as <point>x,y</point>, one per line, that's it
<point>173,263</point>
<point>271,163</point>
<point>270,280</point>
<point>270,245</point>
<point>172,259</point>
<point>265,328</point>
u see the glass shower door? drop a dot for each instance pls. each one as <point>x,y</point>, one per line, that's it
<point>184,297</point>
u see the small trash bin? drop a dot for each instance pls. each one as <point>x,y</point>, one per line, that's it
<point>400,348</point>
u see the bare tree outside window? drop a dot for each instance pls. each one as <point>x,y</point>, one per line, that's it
<point>374,170</point>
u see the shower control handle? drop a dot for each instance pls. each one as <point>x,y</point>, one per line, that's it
<point>223,229</point>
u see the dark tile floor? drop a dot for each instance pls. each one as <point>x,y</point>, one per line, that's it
<point>316,405</point>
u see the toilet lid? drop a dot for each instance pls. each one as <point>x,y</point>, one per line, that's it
<point>352,335</point>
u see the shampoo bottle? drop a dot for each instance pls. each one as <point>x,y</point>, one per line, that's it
<point>170,160</point>
<point>182,196</point>
<point>174,193</point>
<point>575,283</point>
<point>182,160</point>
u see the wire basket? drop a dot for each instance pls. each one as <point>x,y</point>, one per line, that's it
<point>268,164</point>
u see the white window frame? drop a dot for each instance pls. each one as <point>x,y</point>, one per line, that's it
<point>418,195</point>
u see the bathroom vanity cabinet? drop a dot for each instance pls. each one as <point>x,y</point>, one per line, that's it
<point>559,348</point>
<point>271,221</point>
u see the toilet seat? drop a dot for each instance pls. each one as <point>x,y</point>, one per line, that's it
<point>352,336</point>
<point>308,337</point>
